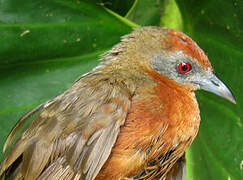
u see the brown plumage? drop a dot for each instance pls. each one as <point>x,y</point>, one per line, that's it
<point>132,117</point>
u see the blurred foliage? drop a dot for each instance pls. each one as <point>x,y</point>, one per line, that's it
<point>118,6</point>
<point>46,45</point>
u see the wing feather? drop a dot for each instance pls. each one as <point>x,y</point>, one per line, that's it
<point>35,158</point>
<point>104,143</point>
<point>178,171</point>
<point>13,155</point>
<point>18,126</point>
<point>72,136</point>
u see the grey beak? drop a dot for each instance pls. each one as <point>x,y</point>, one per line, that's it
<point>215,85</point>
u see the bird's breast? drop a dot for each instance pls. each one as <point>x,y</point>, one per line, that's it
<point>161,118</point>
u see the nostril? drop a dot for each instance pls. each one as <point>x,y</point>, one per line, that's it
<point>215,83</point>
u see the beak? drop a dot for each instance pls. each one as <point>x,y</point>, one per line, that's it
<point>215,85</point>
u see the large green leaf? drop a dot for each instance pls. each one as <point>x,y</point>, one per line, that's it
<point>38,30</point>
<point>146,12</point>
<point>44,47</point>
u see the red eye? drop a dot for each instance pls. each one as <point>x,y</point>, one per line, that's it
<point>184,67</point>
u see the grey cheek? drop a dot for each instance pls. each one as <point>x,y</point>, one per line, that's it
<point>164,65</point>
<point>167,65</point>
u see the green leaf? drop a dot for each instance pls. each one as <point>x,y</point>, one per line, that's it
<point>118,6</point>
<point>171,16</point>
<point>51,29</point>
<point>156,13</point>
<point>44,47</point>
<point>146,12</point>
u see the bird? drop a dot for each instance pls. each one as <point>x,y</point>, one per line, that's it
<point>131,117</point>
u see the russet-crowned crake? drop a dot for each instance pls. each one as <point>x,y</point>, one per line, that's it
<point>131,117</point>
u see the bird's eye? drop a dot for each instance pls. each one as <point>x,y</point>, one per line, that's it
<point>184,67</point>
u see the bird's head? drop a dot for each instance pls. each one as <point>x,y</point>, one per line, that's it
<point>172,54</point>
